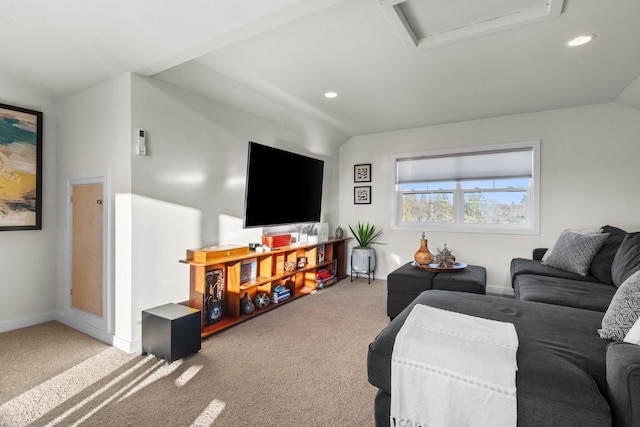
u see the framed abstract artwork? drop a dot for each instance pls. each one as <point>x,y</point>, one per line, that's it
<point>20,168</point>
<point>362,195</point>
<point>362,173</point>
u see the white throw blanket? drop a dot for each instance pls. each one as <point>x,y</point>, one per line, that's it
<point>451,369</point>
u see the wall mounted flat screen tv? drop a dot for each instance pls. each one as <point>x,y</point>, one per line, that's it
<point>282,187</point>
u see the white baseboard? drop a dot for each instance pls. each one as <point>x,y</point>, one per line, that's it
<point>24,322</point>
<point>130,347</point>
<point>85,329</point>
<point>500,290</point>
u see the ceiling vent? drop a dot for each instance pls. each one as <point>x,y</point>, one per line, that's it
<point>424,24</point>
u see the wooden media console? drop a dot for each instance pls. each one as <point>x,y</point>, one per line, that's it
<point>221,276</point>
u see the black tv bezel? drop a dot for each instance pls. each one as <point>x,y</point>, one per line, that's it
<point>281,176</point>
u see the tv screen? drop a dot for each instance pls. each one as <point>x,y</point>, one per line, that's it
<point>282,187</point>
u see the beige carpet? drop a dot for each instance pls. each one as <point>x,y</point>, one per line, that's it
<point>303,364</point>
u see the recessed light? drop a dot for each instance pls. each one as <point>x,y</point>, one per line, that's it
<point>580,40</point>
<point>331,94</point>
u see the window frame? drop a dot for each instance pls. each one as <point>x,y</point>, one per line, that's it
<point>458,224</point>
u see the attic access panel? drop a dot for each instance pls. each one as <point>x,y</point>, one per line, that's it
<point>423,24</point>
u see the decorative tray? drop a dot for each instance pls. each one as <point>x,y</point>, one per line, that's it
<point>456,266</point>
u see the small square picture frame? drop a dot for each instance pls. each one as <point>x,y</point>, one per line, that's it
<point>362,173</point>
<point>362,195</point>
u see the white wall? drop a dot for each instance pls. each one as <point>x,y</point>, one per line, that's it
<point>198,154</point>
<point>589,177</point>
<point>151,236</point>
<point>93,136</point>
<point>27,258</point>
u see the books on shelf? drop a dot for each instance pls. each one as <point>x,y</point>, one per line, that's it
<point>321,283</point>
<point>334,267</point>
<point>248,269</point>
<point>323,274</point>
<point>326,282</point>
<point>324,277</point>
<point>278,267</point>
<point>320,253</point>
<point>277,299</point>
<point>213,311</point>
<point>280,293</point>
<point>214,280</point>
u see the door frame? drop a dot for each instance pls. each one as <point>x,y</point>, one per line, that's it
<point>99,327</point>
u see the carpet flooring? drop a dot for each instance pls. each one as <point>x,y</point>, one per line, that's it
<point>303,364</point>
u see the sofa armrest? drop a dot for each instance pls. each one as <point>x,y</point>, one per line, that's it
<point>623,383</point>
<point>538,253</point>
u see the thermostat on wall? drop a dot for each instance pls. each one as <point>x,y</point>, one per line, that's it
<point>141,148</point>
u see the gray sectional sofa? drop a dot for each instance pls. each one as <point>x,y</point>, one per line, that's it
<point>534,281</point>
<point>567,374</point>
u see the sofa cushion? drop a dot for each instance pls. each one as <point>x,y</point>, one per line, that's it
<point>623,381</point>
<point>574,251</point>
<point>528,266</point>
<point>601,265</point>
<point>561,359</point>
<point>627,259</point>
<point>567,292</point>
<point>623,311</point>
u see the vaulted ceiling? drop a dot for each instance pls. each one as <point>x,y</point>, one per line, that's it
<point>393,63</point>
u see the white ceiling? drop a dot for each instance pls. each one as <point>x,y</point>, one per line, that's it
<point>276,58</point>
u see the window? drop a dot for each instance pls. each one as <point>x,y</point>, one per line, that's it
<point>491,189</point>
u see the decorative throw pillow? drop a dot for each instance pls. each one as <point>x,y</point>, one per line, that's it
<point>623,310</point>
<point>601,264</point>
<point>574,251</point>
<point>627,259</point>
<point>633,336</point>
<point>587,231</point>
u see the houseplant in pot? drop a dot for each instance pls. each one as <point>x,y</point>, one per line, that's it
<point>363,258</point>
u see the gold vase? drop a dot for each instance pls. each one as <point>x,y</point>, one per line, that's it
<point>423,255</point>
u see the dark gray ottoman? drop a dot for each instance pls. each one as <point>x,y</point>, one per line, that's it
<point>408,281</point>
<point>404,285</point>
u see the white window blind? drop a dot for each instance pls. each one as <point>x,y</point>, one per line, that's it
<point>467,166</point>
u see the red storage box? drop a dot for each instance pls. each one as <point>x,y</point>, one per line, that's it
<point>276,240</point>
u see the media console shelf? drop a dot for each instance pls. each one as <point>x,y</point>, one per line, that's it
<point>237,271</point>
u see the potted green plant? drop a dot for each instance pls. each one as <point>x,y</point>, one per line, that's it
<point>363,258</point>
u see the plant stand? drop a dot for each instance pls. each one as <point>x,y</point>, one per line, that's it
<point>369,272</point>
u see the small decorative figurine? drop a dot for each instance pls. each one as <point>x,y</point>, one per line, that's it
<point>445,258</point>
<point>339,233</point>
